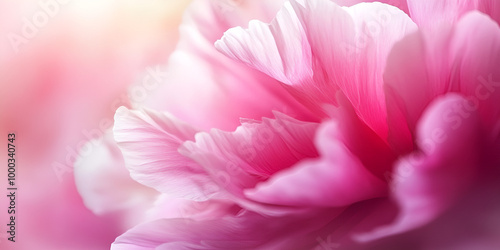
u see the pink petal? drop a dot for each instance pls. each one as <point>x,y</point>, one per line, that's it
<point>373,151</point>
<point>426,13</point>
<point>312,62</point>
<point>430,181</point>
<point>377,27</point>
<point>476,69</point>
<point>479,212</point>
<point>438,60</point>
<point>279,49</point>
<point>401,4</point>
<point>169,207</point>
<point>105,184</point>
<point>338,178</point>
<point>221,91</point>
<point>282,51</point>
<point>245,230</point>
<point>149,142</point>
<point>254,152</point>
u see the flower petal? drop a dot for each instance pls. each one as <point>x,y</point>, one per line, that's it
<point>365,46</point>
<point>221,91</point>
<point>428,182</point>
<point>105,184</point>
<point>282,51</point>
<point>401,4</point>
<point>168,207</point>
<point>439,60</point>
<point>245,230</point>
<point>295,49</point>
<point>338,178</point>
<point>426,13</point>
<point>149,142</point>
<point>479,210</point>
<point>254,152</point>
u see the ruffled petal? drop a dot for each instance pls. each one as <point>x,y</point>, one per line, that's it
<point>149,142</point>
<point>338,178</point>
<point>376,28</point>
<point>254,152</point>
<point>221,91</point>
<point>311,62</point>
<point>279,49</point>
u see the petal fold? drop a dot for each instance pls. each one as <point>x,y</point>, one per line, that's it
<point>254,152</point>
<point>338,178</point>
<point>296,49</point>
<point>149,142</point>
<point>431,180</point>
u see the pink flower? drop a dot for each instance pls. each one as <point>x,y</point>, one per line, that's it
<point>365,126</point>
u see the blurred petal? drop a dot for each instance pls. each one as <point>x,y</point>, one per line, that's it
<point>480,211</point>
<point>436,61</point>
<point>245,230</point>
<point>105,184</point>
<point>430,181</point>
<point>168,207</point>
<point>426,13</point>
<point>401,4</point>
<point>61,75</point>
<point>149,141</point>
<point>221,91</point>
